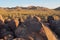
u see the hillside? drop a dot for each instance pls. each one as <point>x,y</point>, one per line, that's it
<point>58,9</point>
<point>30,10</point>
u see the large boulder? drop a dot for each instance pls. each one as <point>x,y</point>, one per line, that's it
<point>33,24</point>
<point>30,28</point>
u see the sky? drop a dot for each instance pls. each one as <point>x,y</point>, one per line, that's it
<point>24,3</point>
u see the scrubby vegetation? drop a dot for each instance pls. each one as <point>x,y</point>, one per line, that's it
<point>30,23</point>
<point>17,12</point>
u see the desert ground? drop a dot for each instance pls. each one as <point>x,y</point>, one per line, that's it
<point>29,23</point>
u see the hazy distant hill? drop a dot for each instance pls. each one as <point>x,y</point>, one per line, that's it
<point>58,9</point>
<point>17,8</point>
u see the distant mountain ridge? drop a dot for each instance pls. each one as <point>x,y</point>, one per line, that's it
<point>26,8</point>
<point>29,7</point>
<point>58,8</point>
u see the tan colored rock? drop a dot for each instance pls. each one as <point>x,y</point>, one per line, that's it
<point>1,19</point>
<point>36,18</point>
<point>49,33</point>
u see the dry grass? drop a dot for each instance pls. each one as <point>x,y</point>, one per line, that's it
<point>24,13</point>
<point>43,13</point>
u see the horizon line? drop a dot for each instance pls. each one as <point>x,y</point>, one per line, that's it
<point>26,6</point>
